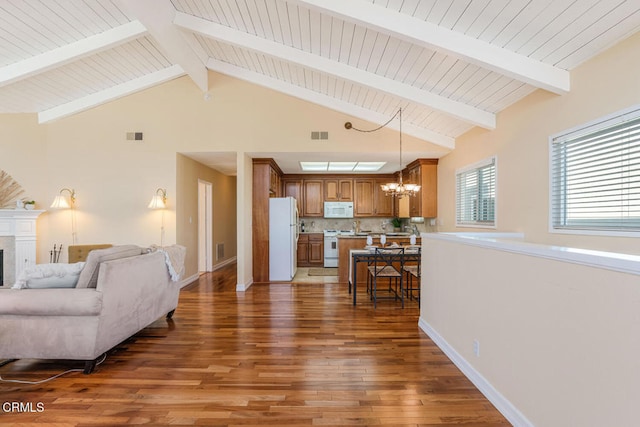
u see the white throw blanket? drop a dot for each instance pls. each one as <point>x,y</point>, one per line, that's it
<point>174,257</point>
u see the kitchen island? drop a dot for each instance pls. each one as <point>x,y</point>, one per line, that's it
<point>346,243</point>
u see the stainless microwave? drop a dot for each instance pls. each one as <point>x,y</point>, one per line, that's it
<point>338,209</point>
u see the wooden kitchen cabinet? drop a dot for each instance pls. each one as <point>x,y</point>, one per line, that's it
<point>370,200</point>
<point>316,249</point>
<point>293,188</point>
<point>363,197</point>
<point>303,250</point>
<point>274,183</point>
<point>311,250</point>
<point>338,190</point>
<point>313,198</point>
<point>425,173</point>
<point>266,184</point>
<point>383,204</point>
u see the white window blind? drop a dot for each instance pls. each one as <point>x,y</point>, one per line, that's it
<point>476,194</point>
<point>595,176</point>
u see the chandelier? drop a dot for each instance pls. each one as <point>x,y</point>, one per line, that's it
<point>393,189</point>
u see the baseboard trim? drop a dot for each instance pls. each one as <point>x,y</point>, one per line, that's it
<point>225,263</point>
<point>188,280</point>
<point>242,287</point>
<point>506,408</point>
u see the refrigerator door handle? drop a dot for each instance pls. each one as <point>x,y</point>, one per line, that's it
<point>296,223</point>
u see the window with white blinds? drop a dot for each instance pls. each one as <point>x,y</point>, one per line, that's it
<point>595,176</point>
<point>476,194</point>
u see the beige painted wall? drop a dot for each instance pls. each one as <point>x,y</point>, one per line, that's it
<point>604,85</point>
<point>245,217</point>
<point>558,340</point>
<point>223,207</point>
<point>23,156</point>
<point>115,178</point>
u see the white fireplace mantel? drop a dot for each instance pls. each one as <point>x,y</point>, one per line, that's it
<point>21,224</point>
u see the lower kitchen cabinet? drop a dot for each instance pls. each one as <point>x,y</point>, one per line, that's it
<point>311,250</point>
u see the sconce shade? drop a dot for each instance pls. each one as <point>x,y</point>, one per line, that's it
<point>159,200</point>
<point>156,203</point>
<point>60,202</point>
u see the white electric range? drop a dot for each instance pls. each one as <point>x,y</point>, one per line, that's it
<point>331,246</point>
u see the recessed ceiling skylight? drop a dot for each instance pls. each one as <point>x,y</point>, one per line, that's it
<point>314,166</point>
<point>368,166</point>
<point>341,166</point>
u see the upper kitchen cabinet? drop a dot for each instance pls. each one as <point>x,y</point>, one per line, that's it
<point>425,173</point>
<point>338,190</point>
<point>370,200</point>
<point>383,203</point>
<point>293,188</point>
<point>274,183</point>
<point>313,197</point>
<point>363,197</point>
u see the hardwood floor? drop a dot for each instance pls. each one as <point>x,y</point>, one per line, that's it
<point>279,354</point>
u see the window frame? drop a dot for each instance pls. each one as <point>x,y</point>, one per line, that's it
<point>477,167</point>
<point>595,125</point>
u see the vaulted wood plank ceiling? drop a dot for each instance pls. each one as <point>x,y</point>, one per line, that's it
<point>450,64</point>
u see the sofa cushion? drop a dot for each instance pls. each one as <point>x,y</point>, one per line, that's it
<point>56,275</point>
<point>89,274</point>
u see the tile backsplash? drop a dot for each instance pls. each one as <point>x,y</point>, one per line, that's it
<point>375,225</point>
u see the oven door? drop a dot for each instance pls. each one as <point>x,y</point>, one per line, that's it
<point>330,251</point>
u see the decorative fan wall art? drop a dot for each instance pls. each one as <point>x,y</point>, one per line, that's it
<point>10,190</point>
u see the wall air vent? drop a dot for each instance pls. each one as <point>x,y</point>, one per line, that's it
<point>134,136</point>
<point>319,135</point>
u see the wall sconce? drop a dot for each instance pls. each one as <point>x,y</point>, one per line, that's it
<point>159,200</point>
<point>60,201</point>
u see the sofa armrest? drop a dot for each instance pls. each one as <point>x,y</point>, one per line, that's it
<point>50,302</point>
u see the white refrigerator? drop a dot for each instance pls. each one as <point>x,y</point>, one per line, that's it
<point>283,238</point>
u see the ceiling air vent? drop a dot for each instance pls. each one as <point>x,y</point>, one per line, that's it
<point>319,135</point>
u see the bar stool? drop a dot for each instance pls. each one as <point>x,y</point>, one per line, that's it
<point>411,269</point>
<point>387,264</point>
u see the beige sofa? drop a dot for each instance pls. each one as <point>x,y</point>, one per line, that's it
<point>120,291</point>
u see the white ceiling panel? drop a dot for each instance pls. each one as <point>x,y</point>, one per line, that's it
<point>326,51</point>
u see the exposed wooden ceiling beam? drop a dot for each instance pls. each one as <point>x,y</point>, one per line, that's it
<point>157,16</point>
<point>434,37</point>
<point>66,54</point>
<point>115,92</point>
<point>410,93</point>
<point>328,102</point>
